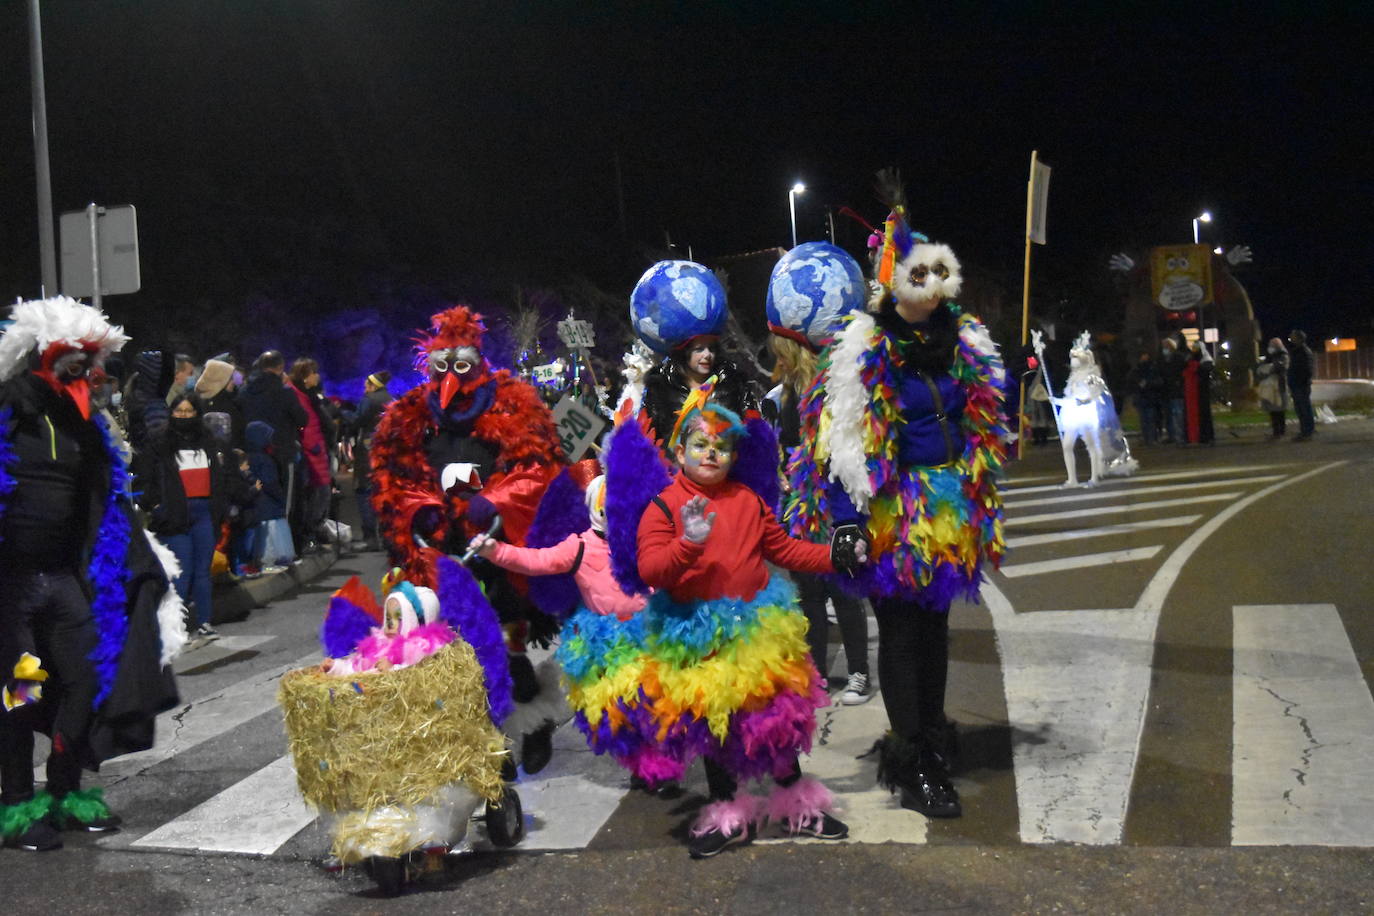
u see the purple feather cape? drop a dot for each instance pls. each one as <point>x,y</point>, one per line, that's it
<point>635,474</point>
<point>562,512</point>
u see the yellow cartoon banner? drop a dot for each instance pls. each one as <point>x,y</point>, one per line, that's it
<point>1181,276</point>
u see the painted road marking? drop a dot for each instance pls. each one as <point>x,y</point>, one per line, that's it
<point>1078,686</point>
<point>1094,493</point>
<point>255,815</point>
<point>209,717</point>
<point>1127,482</point>
<point>1102,510</point>
<point>1303,731</point>
<point>1074,534</point>
<point>1081,561</point>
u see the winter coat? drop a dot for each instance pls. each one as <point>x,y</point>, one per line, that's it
<point>1299,368</point>
<point>1272,375</point>
<point>161,495</point>
<point>591,557</point>
<point>665,389</point>
<point>271,501</point>
<point>265,397</point>
<point>314,440</point>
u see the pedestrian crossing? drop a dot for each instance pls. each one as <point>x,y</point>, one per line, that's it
<point>1071,687</point>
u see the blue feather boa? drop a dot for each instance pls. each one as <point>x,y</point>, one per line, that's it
<point>635,474</point>
<point>757,460</point>
<point>463,607</point>
<point>7,459</point>
<point>108,573</point>
<point>562,512</point>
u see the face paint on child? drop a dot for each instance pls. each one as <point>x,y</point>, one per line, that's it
<point>706,455</point>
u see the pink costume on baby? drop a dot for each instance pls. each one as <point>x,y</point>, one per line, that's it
<point>593,576</point>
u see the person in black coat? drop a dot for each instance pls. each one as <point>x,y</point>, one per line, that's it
<point>184,490</point>
<point>375,398</point>
<point>1300,384</point>
<point>690,364</point>
<point>265,397</point>
<point>1171,365</point>
<point>79,653</point>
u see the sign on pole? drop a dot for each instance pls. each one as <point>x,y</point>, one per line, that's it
<point>1038,201</point>
<point>577,424</point>
<point>99,242</point>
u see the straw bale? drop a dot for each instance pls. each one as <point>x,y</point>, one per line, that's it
<point>395,737</point>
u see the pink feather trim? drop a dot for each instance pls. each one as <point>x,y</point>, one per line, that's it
<point>729,817</point>
<point>655,767</point>
<point>800,804</point>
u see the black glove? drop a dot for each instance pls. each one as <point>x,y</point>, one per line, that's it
<point>844,550</point>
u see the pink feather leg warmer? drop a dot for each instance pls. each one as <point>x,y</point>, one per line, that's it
<point>729,817</point>
<point>800,805</point>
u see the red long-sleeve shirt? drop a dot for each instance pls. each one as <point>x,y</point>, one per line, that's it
<point>730,563</point>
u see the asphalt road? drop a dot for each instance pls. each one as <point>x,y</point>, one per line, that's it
<point>1161,699</point>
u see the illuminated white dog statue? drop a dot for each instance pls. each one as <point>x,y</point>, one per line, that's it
<point>1086,412</point>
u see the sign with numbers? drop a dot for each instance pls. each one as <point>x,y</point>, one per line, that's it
<point>578,426</point>
<point>550,372</point>
<point>576,334</point>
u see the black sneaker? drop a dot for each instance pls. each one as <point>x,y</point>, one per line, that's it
<point>713,842</point>
<point>40,837</point>
<point>827,828</point>
<point>207,632</point>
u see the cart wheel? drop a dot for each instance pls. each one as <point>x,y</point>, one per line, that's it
<point>389,873</point>
<point>506,821</point>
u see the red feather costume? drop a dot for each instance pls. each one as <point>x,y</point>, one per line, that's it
<point>469,443</point>
<point>503,414</point>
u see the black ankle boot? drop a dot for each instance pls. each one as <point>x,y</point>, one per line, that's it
<point>536,750</point>
<point>920,773</point>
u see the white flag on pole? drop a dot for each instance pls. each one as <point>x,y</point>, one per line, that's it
<point>1038,201</point>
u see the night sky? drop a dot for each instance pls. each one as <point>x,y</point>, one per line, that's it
<point>415,142</point>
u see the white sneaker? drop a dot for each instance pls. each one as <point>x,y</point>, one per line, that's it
<point>857,691</point>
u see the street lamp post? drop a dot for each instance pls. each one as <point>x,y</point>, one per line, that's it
<point>1204,217</point>
<point>792,208</point>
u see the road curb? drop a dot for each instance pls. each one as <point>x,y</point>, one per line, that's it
<point>235,600</point>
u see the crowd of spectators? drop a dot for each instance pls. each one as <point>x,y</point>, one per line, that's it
<point>236,467</point>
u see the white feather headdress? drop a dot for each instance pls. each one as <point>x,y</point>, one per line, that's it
<point>38,324</point>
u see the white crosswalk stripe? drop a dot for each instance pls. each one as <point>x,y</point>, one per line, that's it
<point>1303,732</point>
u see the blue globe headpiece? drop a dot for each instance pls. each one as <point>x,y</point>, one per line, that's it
<point>814,286</point>
<point>675,301</point>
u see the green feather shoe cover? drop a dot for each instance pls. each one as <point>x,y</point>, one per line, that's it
<point>15,819</point>
<point>85,809</point>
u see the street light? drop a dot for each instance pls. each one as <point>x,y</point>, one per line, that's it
<point>1204,217</point>
<point>792,208</point>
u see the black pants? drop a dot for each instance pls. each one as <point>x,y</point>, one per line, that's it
<point>913,664</point>
<point>48,615</point>
<point>1302,406</point>
<point>849,613</point>
<point>722,785</point>
<point>1277,422</point>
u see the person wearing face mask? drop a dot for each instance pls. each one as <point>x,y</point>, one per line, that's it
<point>183,485</point>
<point>84,642</point>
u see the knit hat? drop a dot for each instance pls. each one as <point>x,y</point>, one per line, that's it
<point>214,377</point>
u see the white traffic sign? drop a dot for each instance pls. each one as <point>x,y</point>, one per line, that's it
<point>103,242</point>
<point>576,334</point>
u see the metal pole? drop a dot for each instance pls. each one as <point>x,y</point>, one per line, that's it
<point>830,216</point>
<point>47,236</point>
<point>1021,423</point>
<point>92,218</point>
<point>792,208</point>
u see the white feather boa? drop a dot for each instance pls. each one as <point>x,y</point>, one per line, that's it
<point>846,409</point>
<point>550,704</point>
<point>171,611</point>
